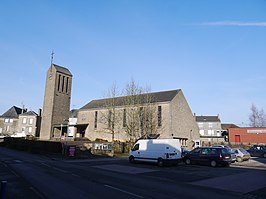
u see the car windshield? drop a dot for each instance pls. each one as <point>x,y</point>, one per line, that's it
<point>243,151</point>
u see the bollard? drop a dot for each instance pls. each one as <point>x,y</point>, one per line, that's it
<point>3,189</point>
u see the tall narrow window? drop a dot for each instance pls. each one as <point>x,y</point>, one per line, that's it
<point>59,81</point>
<point>24,120</point>
<point>95,119</point>
<point>124,118</point>
<point>159,115</point>
<point>67,79</point>
<point>63,84</point>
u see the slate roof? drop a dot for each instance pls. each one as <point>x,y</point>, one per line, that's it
<point>62,69</point>
<point>73,113</point>
<point>208,119</point>
<point>29,113</point>
<point>13,112</point>
<point>163,96</point>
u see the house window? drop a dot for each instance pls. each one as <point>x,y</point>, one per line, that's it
<point>159,115</point>
<point>201,132</point>
<point>6,120</point>
<point>95,119</point>
<point>200,124</point>
<point>210,125</point>
<point>7,128</point>
<point>124,118</point>
<point>23,130</point>
<point>30,129</point>
<point>31,121</point>
<point>24,120</point>
<point>11,120</point>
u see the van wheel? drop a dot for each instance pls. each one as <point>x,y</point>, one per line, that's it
<point>239,159</point>
<point>213,163</point>
<point>188,161</point>
<point>160,162</point>
<point>131,159</point>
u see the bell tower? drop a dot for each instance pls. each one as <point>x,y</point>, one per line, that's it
<point>56,106</point>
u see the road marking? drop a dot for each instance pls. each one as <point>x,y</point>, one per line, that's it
<point>124,169</point>
<point>123,191</point>
<point>75,175</point>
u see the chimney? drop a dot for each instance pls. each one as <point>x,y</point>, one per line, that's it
<point>40,112</point>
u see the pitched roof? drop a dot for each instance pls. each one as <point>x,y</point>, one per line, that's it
<point>29,113</point>
<point>163,96</point>
<point>62,69</point>
<point>208,119</point>
<point>13,112</point>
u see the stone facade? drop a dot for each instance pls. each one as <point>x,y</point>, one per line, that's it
<point>17,122</point>
<point>56,102</point>
<point>176,119</point>
<point>29,124</point>
<point>9,121</point>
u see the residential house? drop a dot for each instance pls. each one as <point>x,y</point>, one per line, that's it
<point>29,124</point>
<point>17,122</point>
<point>9,121</point>
<point>210,130</point>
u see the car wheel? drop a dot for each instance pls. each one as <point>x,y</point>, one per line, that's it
<point>160,162</point>
<point>213,163</point>
<point>131,159</point>
<point>239,159</point>
<point>264,155</point>
<point>187,161</point>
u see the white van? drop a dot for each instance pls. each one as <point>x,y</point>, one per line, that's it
<point>159,151</point>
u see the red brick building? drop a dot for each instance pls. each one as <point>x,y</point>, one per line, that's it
<point>248,135</point>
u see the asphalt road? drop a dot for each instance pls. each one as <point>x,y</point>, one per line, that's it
<point>34,176</point>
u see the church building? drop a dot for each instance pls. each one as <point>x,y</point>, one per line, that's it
<point>56,105</point>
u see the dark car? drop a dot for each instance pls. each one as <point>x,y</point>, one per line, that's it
<point>257,151</point>
<point>212,156</point>
<point>184,151</point>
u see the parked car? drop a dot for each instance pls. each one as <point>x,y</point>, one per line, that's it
<point>159,151</point>
<point>241,154</point>
<point>257,151</point>
<point>233,154</point>
<point>212,156</point>
<point>184,151</point>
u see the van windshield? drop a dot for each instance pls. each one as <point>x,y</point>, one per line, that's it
<point>136,147</point>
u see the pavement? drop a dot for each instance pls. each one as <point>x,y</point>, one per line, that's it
<point>16,187</point>
<point>20,189</point>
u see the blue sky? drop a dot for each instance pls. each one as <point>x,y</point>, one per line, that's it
<point>215,51</point>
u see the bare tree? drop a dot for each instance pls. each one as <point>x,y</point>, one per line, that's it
<point>132,107</point>
<point>111,116</point>
<point>141,112</point>
<point>257,117</point>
